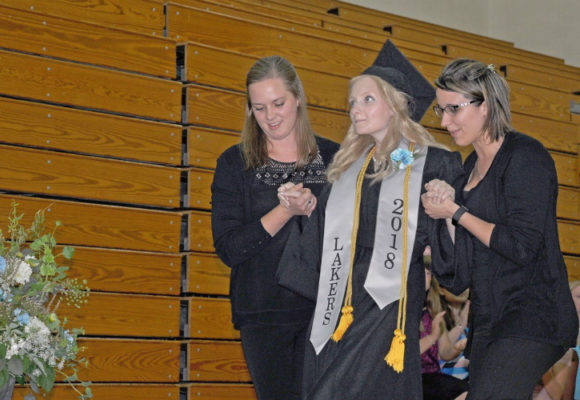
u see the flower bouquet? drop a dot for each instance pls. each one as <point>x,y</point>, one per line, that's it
<point>35,346</point>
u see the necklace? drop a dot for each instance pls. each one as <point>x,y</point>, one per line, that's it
<point>475,172</point>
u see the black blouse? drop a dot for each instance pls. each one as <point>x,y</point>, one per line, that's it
<point>519,284</point>
<point>240,198</point>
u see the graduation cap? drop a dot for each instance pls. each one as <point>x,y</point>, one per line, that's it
<point>392,66</point>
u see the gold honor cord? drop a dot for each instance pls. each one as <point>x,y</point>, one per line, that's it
<point>396,356</point>
<point>347,310</point>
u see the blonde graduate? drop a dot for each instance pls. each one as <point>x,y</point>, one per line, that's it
<point>401,126</point>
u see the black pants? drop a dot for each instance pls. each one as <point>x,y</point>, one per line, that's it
<point>275,358</point>
<point>508,369</point>
<point>439,386</point>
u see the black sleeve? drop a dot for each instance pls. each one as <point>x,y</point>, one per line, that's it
<point>529,187</point>
<point>450,262</point>
<point>235,240</point>
<point>299,267</point>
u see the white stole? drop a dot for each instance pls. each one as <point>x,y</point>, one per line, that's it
<point>383,280</point>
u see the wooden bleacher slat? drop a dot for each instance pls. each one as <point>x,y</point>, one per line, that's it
<point>554,135</point>
<point>208,391</point>
<point>540,102</point>
<point>207,274</point>
<point>59,174</point>
<point>329,124</point>
<point>545,78</point>
<point>86,86</point>
<point>109,392</point>
<point>88,43</point>
<point>41,125</point>
<point>227,69</point>
<point>307,51</point>
<point>573,266</point>
<point>130,360</point>
<point>186,23</point>
<point>135,15</point>
<point>200,236</point>
<point>200,188</point>
<point>567,168</point>
<point>103,226</point>
<point>464,38</point>
<point>114,314</point>
<point>569,237</point>
<point>206,145</point>
<point>216,361</point>
<point>225,110</point>
<point>126,271</point>
<point>211,318</point>
<point>455,50</point>
<point>569,203</point>
<point>254,15</point>
<point>208,106</point>
<point>380,18</point>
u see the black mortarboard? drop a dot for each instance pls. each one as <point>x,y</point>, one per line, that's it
<point>392,66</point>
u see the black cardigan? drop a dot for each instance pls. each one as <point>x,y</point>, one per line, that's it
<point>522,274</point>
<point>239,200</point>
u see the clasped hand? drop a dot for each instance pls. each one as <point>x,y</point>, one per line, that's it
<point>296,198</point>
<point>439,199</point>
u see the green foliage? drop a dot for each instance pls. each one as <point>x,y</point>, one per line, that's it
<point>35,346</point>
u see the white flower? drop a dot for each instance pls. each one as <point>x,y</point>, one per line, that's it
<point>37,329</point>
<point>23,271</point>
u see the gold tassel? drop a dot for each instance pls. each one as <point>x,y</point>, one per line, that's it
<point>345,320</point>
<point>396,356</point>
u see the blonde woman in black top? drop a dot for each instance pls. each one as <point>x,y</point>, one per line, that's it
<point>506,239</point>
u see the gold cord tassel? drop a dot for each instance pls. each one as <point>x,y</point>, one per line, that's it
<point>347,310</point>
<point>345,320</point>
<point>396,356</point>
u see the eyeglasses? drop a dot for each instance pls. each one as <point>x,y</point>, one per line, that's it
<point>451,109</point>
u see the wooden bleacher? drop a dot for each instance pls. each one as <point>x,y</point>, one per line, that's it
<point>132,101</point>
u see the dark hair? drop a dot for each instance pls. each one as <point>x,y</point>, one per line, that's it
<point>480,82</point>
<point>254,144</point>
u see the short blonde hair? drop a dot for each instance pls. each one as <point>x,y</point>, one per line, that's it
<point>481,83</point>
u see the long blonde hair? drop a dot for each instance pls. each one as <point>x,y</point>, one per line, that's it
<point>400,126</point>
<point>254,143</point>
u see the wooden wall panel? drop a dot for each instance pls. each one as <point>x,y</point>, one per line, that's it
<point>126,271</point>
<point>88,43</point>
<point>207,274</point>
<point>113,314</point>
<point>104,226</point>
<point>216,361</point>
<point>134,15</point>
<point>41,125</point>
<point>84,177</point>
<point>200,237</point>
<point>211,318</point>
<point>91,87</point>
<point>109,392</point>
<point>131,360</point>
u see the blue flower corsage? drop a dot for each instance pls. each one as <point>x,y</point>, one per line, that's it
<point>402,158</point>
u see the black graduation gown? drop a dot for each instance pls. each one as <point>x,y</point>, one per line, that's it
<point>354,368</point>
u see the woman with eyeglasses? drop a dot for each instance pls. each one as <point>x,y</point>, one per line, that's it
<point>506,238</point>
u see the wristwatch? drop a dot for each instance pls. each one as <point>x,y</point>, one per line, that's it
<point>460,211</point>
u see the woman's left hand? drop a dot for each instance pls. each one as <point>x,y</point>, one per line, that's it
<point>296,198</point>
<point>437,209</point>
<point>439,190</point>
